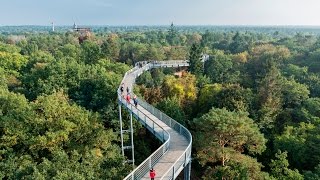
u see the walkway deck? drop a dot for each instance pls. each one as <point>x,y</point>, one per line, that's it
<point>178,154</point>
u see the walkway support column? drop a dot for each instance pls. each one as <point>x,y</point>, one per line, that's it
<point>132,145</point>
<point>121,131</point>
<point>187,171</point>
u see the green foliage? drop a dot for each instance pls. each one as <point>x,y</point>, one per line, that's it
<point>3,80</point>
<point>151,78</point>
<point>172,35</point>
<point>308,175</point>
<point>30,48</point>
<point>271,73</point>
<point>302,144</point>
<point>9,48</point>
<point>171,107</point>
<point>51,138</point>
<point>12,62</point>
<point>244,167</point>
<point>269,94</point>
<point>310,111</point>
<point>239,44</point>
<point>90,52</point>
<point>145,79</point>
<point>207,95</point>
<point>220,68</point>
<point>280,168</point>
<point>294,93</point>
<point>234,98</point>
<point>154,53</point>
<point>223,136</point>
<point>195,64</point>
<point>265,57</point>
<point>92,86</point>
<point>111,47</point>
<point>68,50</point>
<point>132,52</point>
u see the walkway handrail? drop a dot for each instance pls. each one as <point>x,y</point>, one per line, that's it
<point>185,158</point>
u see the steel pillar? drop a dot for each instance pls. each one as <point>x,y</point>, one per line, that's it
<point>132,145</point>
<point>187,171</point>
<point>121,131</point>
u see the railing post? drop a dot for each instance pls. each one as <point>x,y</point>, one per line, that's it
<point>185,158</point>
<point>153,127</point>
<point>150,164</point>
<point>162,135</point>
<point>163,149</point>
<point>173,172</point>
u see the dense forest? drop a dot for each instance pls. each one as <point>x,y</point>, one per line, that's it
<point>253,107</point>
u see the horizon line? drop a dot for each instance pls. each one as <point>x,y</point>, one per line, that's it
<point>131,25</point>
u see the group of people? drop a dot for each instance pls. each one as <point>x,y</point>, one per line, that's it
<point>127,97</point>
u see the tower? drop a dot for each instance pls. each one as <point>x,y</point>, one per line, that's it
<point>52,26</point>
<point>75,27</point>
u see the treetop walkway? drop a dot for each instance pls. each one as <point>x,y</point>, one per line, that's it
<point>174,155</point>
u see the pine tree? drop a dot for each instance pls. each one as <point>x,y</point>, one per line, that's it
<point>172,35</point>
<point>195,64</point>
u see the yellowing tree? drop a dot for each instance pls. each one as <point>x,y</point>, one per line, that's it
<point>183,88</point>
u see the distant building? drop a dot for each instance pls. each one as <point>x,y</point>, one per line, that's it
<point>81,29</point>
<point>84,32</point>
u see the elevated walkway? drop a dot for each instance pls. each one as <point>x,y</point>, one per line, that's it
<point>174,154</point>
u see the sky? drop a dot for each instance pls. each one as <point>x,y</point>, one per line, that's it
<point>160,12</point>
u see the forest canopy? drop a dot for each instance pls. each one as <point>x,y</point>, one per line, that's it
<point>253,107</point>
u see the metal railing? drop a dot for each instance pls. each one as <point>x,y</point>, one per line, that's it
<point>185,158</point>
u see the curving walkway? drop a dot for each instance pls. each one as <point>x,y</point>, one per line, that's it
<point>174,154</point>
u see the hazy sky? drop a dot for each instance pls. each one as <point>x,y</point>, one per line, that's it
<point>160,12</point>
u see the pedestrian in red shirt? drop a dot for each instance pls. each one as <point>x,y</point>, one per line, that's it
<point>128,98</point>
<point>152,174</point>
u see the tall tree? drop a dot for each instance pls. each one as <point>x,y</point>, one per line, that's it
<point>221,139</point>
<point>269,99</point>
<point>172,37</point>
<point>195,64</point>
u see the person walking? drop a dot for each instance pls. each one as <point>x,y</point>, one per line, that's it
<point>135,101</point>
<point>128,90</point>
<point>128,98</point>
<point>121,88</point>
<point>152,173</point>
